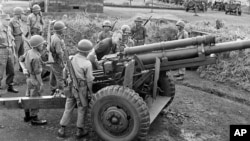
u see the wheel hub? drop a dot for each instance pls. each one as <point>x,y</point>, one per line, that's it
<point>115,120</point>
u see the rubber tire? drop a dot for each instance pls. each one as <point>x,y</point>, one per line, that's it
<point>167,85</point>
<point>131,100</point>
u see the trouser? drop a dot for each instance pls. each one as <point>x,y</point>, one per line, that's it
<point>70,104</point>
<point>56,77</point>
<point>19,45</point>
<point>33,90</point>
<point>6,64</point>
<point>138,42</point>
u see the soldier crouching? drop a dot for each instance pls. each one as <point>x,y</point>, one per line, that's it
<point>31,64</point>
<point>83,72</point>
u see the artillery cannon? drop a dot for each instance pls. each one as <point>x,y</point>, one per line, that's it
<point>233,7</point>
<point>133,86</point>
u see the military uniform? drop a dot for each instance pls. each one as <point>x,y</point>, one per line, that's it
<point>35,22</point>
<point>103,35</point>
<point>56,76</point>
<point>33,64</point>
<point>139,34</point>
<point>17,32</point>
<point>6,55</point>
<point>83,72</point>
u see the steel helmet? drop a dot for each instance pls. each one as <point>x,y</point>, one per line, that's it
<point>138,19</point>
<point>106,23</point>
<point>126,29</point>
<point>59,25</point>
<point>36,41</point>
<point>180,23</point>
<point>84,46</point>
<point>18,11</point>
<point>36,7</point>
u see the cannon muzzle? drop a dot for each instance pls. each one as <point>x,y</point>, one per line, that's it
<point>191,52</point>
<point>196,41</point>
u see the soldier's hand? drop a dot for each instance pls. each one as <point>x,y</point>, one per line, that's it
<point>41,88</point>
<point>25,72</point>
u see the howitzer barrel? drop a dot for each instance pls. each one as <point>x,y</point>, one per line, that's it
<point>208,39</point>
<point>191,52</point>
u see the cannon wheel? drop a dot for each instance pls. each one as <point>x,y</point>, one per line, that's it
<point>118,113</point>
<point>167,85</point>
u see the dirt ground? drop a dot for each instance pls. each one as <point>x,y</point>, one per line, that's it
<point>194,115</point>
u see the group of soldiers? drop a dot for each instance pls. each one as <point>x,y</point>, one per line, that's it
<point>86,59</point>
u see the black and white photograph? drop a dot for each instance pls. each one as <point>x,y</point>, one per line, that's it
<point>124,70</point>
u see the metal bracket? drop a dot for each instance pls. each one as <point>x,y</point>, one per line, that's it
<point>156,76</point>
<point>201,51</point>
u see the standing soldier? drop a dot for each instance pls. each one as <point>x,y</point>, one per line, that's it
<point>35,21</point>
<point>126,33</point>
<point>56,49</point>
<point>32,67</point>
<point>7,51</point>
<point>139,32</point>
<point>181,34</point>
<point>15,25</point>
<point>106,33</point>
<point>83,71</point>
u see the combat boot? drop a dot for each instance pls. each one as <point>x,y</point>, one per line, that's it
<point>12,89</point>
<point>80,132</point>
<point>61,132</point>
<point>36,121</point>
<point>27,117</point>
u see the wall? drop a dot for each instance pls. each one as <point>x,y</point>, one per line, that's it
<point>92,6</point>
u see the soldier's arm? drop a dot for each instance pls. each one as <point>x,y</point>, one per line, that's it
<point>99,38</point>
<point>37,68</point>
<point>22,64</point>
<point>11,27</point>
<point>144,33</point>
<point>89,76</point>
<point>58,50</point>
<point>29,24</point>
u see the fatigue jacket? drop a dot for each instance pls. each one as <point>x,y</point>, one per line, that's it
<point>16,26</point>
<point>6,38</point>
<point>139,33</point>
<point>35,21</point>
<point>182,34</point>
<point>56,48</point>
<point>33,62</point>
<point>102,35</point>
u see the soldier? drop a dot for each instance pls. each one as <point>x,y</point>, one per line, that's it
<point>83,71</point>
<point>7,51</point>
<point>32,67</point>
<point>182,34</point>
<point>15,25</point>
<point>106,33</point>
<point>105,47</point>
<point>56,76</point>
<point>139,32</point>
<point>126,33</point>
<point>35,21</point>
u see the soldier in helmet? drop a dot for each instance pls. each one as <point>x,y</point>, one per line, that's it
<point>16,27</point>
<point>83,70</point>
<point>126,33</point>
<point>106,33</point>
<point>181,34</point>
<point>139,32</point>
<point>56,77</point>
<point>7,51</point>
<point>35,21</point>
<point>32,67</point>
<point>105,47</point>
